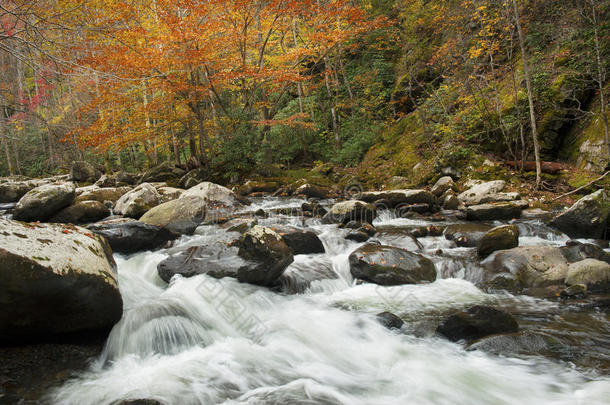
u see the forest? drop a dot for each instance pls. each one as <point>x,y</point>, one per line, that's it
<point>236,86</point>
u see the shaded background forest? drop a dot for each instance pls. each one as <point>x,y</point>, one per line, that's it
<point>393,88</point>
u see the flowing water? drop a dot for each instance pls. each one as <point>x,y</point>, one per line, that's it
<point>202,340</point>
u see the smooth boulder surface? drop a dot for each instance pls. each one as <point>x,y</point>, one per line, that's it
<point>466,235</point>
<point>43,202</point>
<point>498,211</point>
<point>499,238</point>
<point>575,251</point>
<point>182,215</point>
<point>525,267</point>
<point>479,321</point>
<point>587,218</point>
<point>94,193</point>
<point>394,198</point>
<point>442,185</point>
<point>595,274</point>
<point>138,201</point>
<point>477,192</point>
<point>219,201</point>
<point>311,191</point>
<point>352,210</point>
<point>133,236</point>
<point>81,212</point>
<point>12,191</point>
<point>301,241</point>
<point>268,250</point>
<point>55,279</point>
<point>169,193</point>
<point>387,265</point>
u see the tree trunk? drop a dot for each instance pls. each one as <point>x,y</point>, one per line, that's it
<point>333,112</point>
<point>530,96</point>
<point>600,76</point>
<point>4,137</point>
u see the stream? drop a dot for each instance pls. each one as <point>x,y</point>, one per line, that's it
<point>202,340</point>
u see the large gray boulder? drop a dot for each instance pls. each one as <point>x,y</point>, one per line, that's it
<point>587,218</point>
<point>497,211</point>
<point>301,241</point>
<point>138,201</point>
<point>525,267</point>
<point>477,322</point>
<point>593,273</point>
<point>101,194</point>
<point>352,210</point>
<point>43,202</point>
<point>476,193</point>
<point>55,280</point>
<point>386,265</point>
<point>81,212</point>
<point>12,191</point>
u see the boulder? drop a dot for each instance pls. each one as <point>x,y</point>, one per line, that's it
<point>587,218</point>
<point>182,215</point>
<point>442,185</point>
<point>43,202</point>
<point>477,192</point>
<point>357,236</point>
<point>81,212</point>
<point>251,186</point>
<point>352,210</point>
<point>133,236</point>
<point>311,191</point>
<point>499,197</point>
<point>498,211</point>
<point>13,191</point>
<point>55,279</point>
<point>130,179</point>
<point>194,177</point>
<point>259,257</point>
<point>575,251</point>
<point>451,202</point>
<point>389,320</point>
<point>466,235</point>
<point>477,322</point>
<point>386,265</point>
<point>165,172</point>
<point>595,274</point>
<point>219,201</point>
<point>499,238</point>
<point>525,267</point>
<point>525,342</point>
<point>106,181</point>
<point>138,201</point>
<point>394,198</point>
<point>296,279</point>
<point>169,193</point>
<point>302,242</point>
<point>82,171</point>
<point>101,194</point>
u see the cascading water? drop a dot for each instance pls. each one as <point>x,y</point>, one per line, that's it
<point>202,340</point>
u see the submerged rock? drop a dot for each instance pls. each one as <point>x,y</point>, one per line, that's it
<point>587,218</point>
<point>389,320</point>
<point>479,321</point>
<point>525,342</point>
<point>393,198</point>
<point>43,202</point>
<point>55,280</point>
<point>133,236</point>
<point>499,238</point>
<point>386,265</point>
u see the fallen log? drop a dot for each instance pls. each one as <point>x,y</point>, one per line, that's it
<point>529,166</point>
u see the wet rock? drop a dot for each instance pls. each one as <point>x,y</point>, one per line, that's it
<point>394,198</point>
<point>194,177</point>
<point>574,291</point>
<point>43,202</point>
<point>216,260</point>
<point>165,172</point>
<point>386,265</point>
<point>296,279</point>
<point>314,208</point>
<point>525,342</point>
<point>137,201</point>
<point>442,185</point>
<point>352,210</point>
<point>525,267</point>
<point>311,191</point>
<point>82,171</point>
<point>451,202</point>
<point>302,242</point>
<point>133,236</point>
<point>261,213</point>
<point>102,195</point>
<point>587,218</point>
<point>268,251</point>
<point>499,211</point>
<point>575,251</point>
<point>81,212</point>
<point>357,236</point>
<point>477,192</point>
<point>595,274</point>
<point>466,235</point>
<point>499,238</point>
<point>251,186</point>
<point>478,322</point>
<point>138,402</point>
<point>13,191</point>
<point>389,320</point>
<point>56,280</point>
<point>240,225</point>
